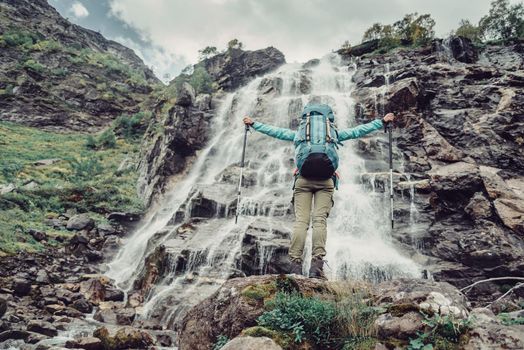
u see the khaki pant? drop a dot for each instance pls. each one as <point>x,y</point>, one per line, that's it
<point>320,192</point>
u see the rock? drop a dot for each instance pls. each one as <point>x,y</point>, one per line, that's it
<point>38,235</point>
<point>87,343</point>
<point>251,343</point>
<point>124,338</point>
<point>42,277</point>
<point>478,207</point>
<point>511,212</point>
<point>13,334</point>
<point>463,49</point>
<point>128,220</point>
<point>21,286</point>
<point>82,305</point>
<point>105,230</point>
<point>361,49</point>
<point>404,327</point>
<point>230,310</point>
<point>125,316</point>
<point>185,95</point>
<point>93,289</point>
<point>4,189</point>
<point>42,327</point>
<point>3,307</point>
<point>80,222</point>
<point>236,67</point>
<point>488,333</point>
<point>46,162</point>
<point>113,294</point>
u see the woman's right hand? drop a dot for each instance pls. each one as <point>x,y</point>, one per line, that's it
<point>248,121</point>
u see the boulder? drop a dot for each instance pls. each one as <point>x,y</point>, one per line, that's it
<point>38,235</point>
<point>87,343</point>
<point>488,332</point>
<point>80,222</point>
<point>42,327</point>
<point>251,343</point>
<point>124,338</point>
<point>21,286</point>
<point>463,49</point>
<point>185,95</point>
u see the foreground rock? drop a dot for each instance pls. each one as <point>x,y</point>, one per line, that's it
<point>251,343</point>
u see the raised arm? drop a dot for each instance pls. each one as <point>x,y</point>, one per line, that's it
<point>364,129</point>
<point>273,131</point>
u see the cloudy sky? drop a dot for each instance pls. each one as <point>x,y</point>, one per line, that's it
<point>167,34</point>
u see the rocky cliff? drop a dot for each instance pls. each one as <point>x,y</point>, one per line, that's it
<point>460,159</point>
<point>60,76</point>
<point>182,117</point>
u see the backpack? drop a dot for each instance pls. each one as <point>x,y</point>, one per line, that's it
<point>316,143</point>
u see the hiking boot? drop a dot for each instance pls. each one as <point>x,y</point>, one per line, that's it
<point>295,266</point>
<point>317,268</point>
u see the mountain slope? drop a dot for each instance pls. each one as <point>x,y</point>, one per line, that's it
<point>59,76</point>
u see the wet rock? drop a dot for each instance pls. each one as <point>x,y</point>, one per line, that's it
<point>42,327</point>
<point>3,307</point>
<point>124,338</point>
<point>128,220</point>
<point>21,286</point>
<point>87,343</point>
<point>82,305</point>
<point>251,343</point>
<point>185,95</point>
<point>80,222</point>
<point>113,294</point>
<point>13,334</point>
<point>463,49</point>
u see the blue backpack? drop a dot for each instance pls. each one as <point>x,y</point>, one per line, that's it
<point>316,143</point>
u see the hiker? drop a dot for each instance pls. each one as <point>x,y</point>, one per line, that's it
<point>316,142</point>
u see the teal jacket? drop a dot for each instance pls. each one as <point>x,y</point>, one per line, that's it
<point>343,135</point>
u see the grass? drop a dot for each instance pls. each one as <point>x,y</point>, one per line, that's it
<point>81,180</point>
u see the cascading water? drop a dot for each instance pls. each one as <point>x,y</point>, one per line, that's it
<point>203,253</point>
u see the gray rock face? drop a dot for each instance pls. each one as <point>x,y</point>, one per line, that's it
<point>459,133</point>
<point>54,83</point>
<point>235,67</point>
<point>186,95</point>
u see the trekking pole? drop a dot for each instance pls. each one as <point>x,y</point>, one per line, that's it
<point>241,172</point>
<point>388,127</point>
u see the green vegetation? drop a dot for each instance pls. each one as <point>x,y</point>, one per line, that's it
<point>197,77</point>
<point>504,22</point>
<point>30,42</point>
<point>78,179</point>
<point>508,320</point>
<point>412,30</point>
<point>235,44</point>
<point>132,127</point>
<point>220,342</point>
<point>441,332</point>
<point>207,52</point>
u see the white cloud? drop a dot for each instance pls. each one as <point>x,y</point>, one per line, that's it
<point>301,29</point>
<point>79,10</point>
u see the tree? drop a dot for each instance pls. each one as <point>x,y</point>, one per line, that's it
<point>386,35</point>
<point>468,30</point>
<point>504,21</point>
<point>346,45</point>
<point>234,44</point>
<point>374,32</point>
<point>201,80</point>
<point>414,29</point>
<point>207,52</point>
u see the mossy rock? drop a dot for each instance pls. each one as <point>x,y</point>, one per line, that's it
<point>259,292</point>
<point>282,339</point>
<point>399,310</point>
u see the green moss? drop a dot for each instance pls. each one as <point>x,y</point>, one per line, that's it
<point>364,343</point>
<point>281,338</point>
<point>398,310</point>
<point>34,65</point>
<point>259,292</point>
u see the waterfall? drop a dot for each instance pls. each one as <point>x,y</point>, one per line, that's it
<point>203,253</point>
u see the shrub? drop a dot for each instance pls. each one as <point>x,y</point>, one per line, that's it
<point>16,37</point>
<point>442,332</point>
<point>84,169</point>
<point>91,142</point>
<point>107,139</point>
<point>47,46</point>
<point>34,65</point>
<point>306,318</point>
<point>131,126</point>
<point>207,52</point>
<point>220,342</point>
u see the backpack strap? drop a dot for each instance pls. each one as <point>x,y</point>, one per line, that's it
<point>308,128</point>
<point>328,130</point>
